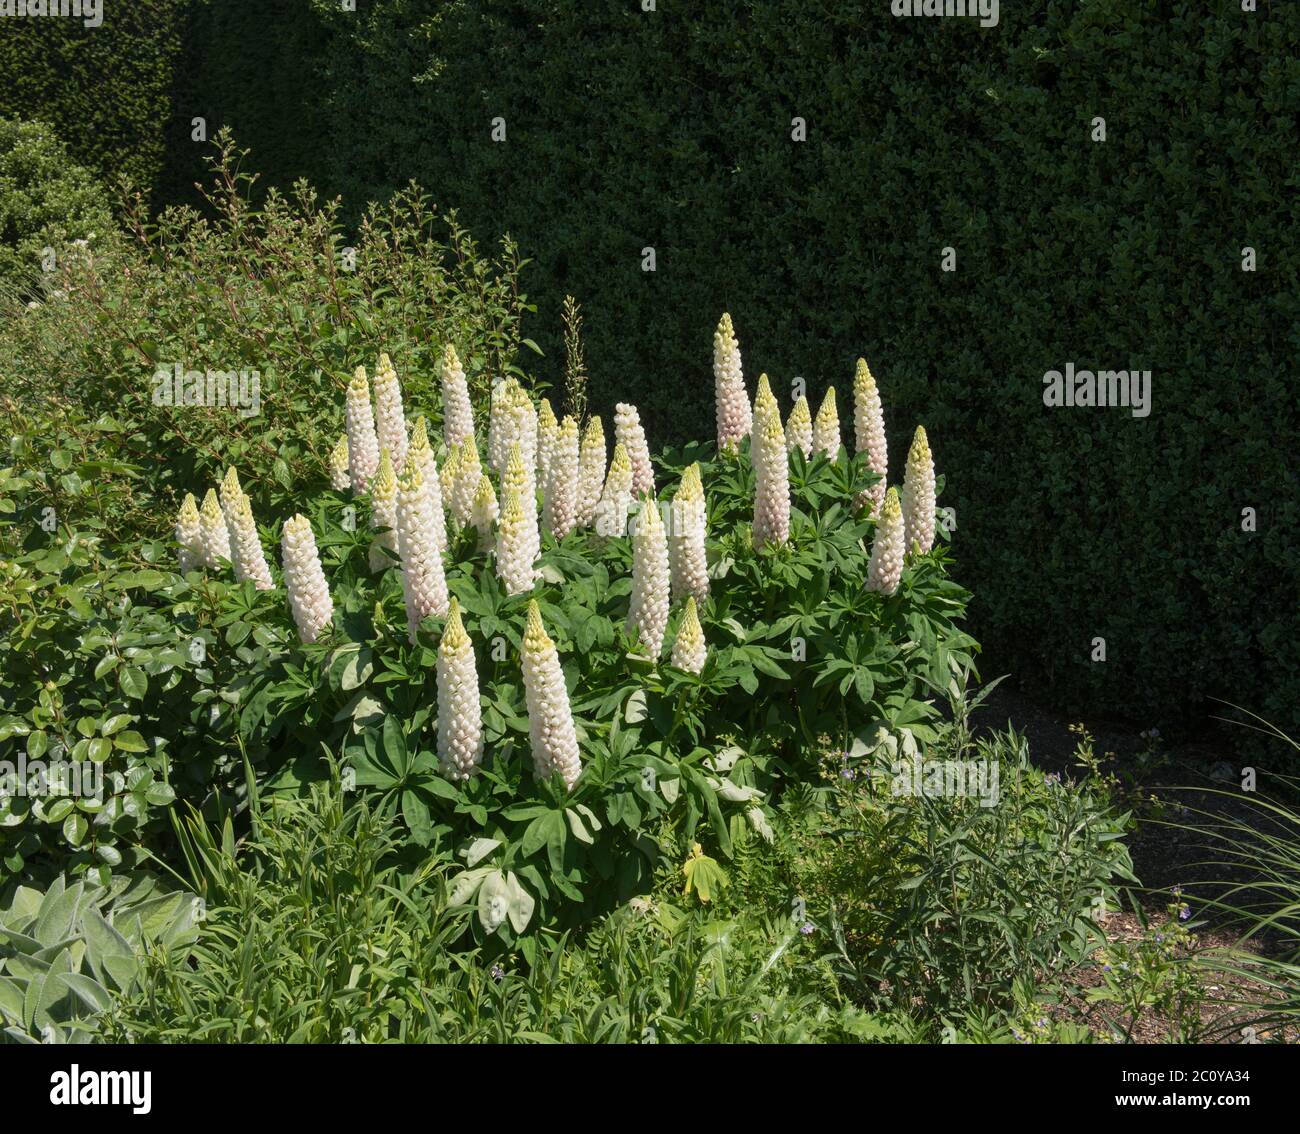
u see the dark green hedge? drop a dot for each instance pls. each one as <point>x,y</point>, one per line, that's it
<point>671,129</point>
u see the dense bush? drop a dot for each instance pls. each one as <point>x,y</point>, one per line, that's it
<point>628,129</point>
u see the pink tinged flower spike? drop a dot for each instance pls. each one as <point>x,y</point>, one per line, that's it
<point>689,650</point>
<point>246,554</point>
<point>468,471</point>
<point>918,494</point>
<point>213,533</point>
<point>548,428</point>
<point>799,428</point>
<point>486,511</point>
<point>309,594</point>
<point>869,434</point>
<point>517,478</point>
<point>383,514</point>
<point>826,429</point>
<point>515,556</point>
<point>554,740</point>
<point>885,568</point>
<point>422,451</point>
<point>363,444</point>
<point>591,471</point>
<point>340,477</point>
<point>189,535</point>
<point>734,418</point>
<point>647,614</point>
<point>423,582</point>
<point>457,415</point>
<point>627,429</point>
<point>561,509</point>
<point>616,497</point>
<point>771,474</point>
<point>390,421</point>
<point>460,722</point>
<point>690,575</point>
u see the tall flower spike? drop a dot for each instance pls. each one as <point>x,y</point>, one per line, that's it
<point>771,474</point>
<point>229,490</point>
<point>550,720</point>
<point>447,483</point>
<point>457,416</point>
<point>517,478</point>
<point>732,403</point>
<point>548,429</point>
<point>309,594</point>
<point>616,498</point>
<point>468,471</point>
<point>501,424</point>
<point>627,428</point>
<point>826,429</point>
<point>591,471</point>
<point>189,535</point>
<point>562,487</point>
<point>422,451</point>
<point>423,583</point>
<point>486,511</point>
<point>689,650</point>
<point>514,555</point>
<point>524,430</point>
<point>213,532</point>
<point>363,445</point>
<point>460,722</point>
<point>869,433</point>
<point>246,554</point>
<point>390,421</point>
<point>885,568</point>
<point>340,478</point>
<point>383,513</point>
<point>918,494</point>
<point>686,539</point>
<point>799,428</point>
<point>647,615</point>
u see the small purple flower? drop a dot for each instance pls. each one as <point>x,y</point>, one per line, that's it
<point>1053,778</point>
<point>847,774</point>
<point>1177,891</point>
<point>807,929</point>
<point>1184,912</point>
<point>497,973</point>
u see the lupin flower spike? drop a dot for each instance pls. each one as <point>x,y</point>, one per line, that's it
<point>460,722</point>
<point>771,474</point>
<point>561,507</point>
<point>485,513</point>
<point>616,497</point>
<point>869,433</point>
<point>551,732</point>
<point>304,580</point>
<point>189,535</point>
<point>213,532</point>
<point>734,418</point>
<point>390,420</point>
<point>591,471</point>
<point>885,568</point>
<point>799,428</point>
<point>340,478</point>
<point>689,650</point>
<point>457,416</point>
<point>687,537</point>
<point>627,429</point>
<point>918,494</point>
<point>383,513</point>
<point>826,429</point>
<point>424,584</point>
<point>515,557</point>
<point>647,614</point>
<point>363,444</point>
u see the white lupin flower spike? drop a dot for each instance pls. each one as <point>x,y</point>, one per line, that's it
<point>189,535</point>
<point>689,650</point>
<point>885,568</point>
<point>515,558</point>
<point>918,494</point>
<point>561,508</point>
<point>246,554</point>
<point>460,722</point>
<point>383,514</point>
<point>616,497</point>
<point>591,471</point>
<point>686,538</point>
<point>826,429</point>
<point>340,477</point>
<point>214,534</point>
<point>869,434</point>
<point>524,430</point>
<point>501,424</point>
<point>517,478</point>
<point>548,429</point>
<point>485,512</point>
<point>457,415</point>
<point>551,732</point>
<point>304,580</point>
<point>363,444</point>
<point>390,420</point>
<point>627,429</point>
<point>423,454</point>
<point>424,584</point>
<point>468,471</point>
<point>771,463</point>
<point>799,428</point>
<point>647,614</point>
<point>734,418</point>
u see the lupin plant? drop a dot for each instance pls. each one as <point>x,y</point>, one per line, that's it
<point>627,429</point>
<point>501,424</point>
<point>214,536</point>
<point>515,556</point>
<point>524,427</point>
<point>771,472</point>
<point>460,722</point>
<point>551,732</point>
<point>548,427</point>
<point>918,495</point>
<point>799,427</point>
<point>457,415</point>
<point>885,568</point>
<point>424,583</point>
<point>246,554</point>
<point>686,539</point>
<point>616,496</point>
<point>689,650</point>
<point>591,471</point>
<point>519,479</point>
<point>561,508</point>
<point>647,615</point>
<point>363,444</point>
<point>468,471</point>
<point>383,513</point>
<point>340,477</point>
<point>422,451</point>
<point>189,535</point>
<point>869,434</point>
<point>304,580</point>
<point>485,512</point>
<point>734,418</point>
<point>390,420</point>
<point>447,477</point>
<point>826,429</point>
